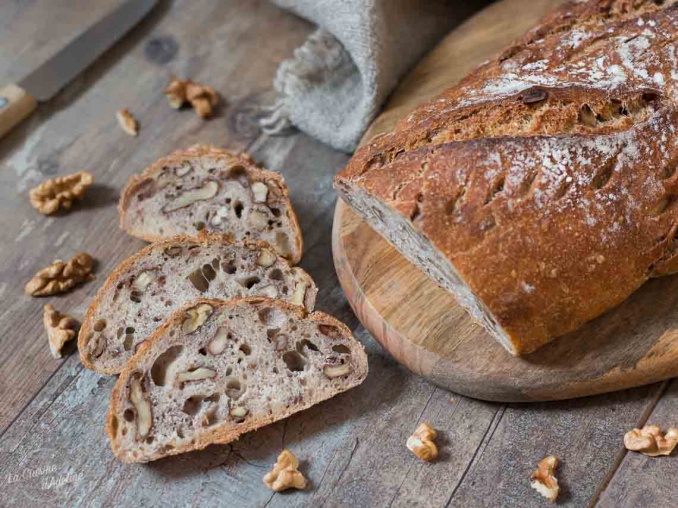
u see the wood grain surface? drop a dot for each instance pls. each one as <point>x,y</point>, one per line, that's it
<point>53,450</point>
<point>423,326</point>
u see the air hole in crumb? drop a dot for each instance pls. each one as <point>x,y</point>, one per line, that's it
<point>330,331</point>
<point>100,325</point>
<point>128,415</point>
<point>209,272</point>
<point>135,296</point>
<point>180,433</point>
<point>272,332</point>
<point>234,389</point>
<point>238,208</point>
<point>162,363</point>
<point>168,303</point>
<point>199,281</point>
<point>246,349</point>
<point>271,317</point>
<point>341,349</point>
<point>199,226</point>
<point>237,172</point>
<point>149,440</point>
<point>276,212</point>
<point>215,263</point>
<point>128,343</point>
<point>294,361</point>
<point>202,351</point>
<point>276,274</point>
<point>249,282</point>
<point>192,405</point>
<point>129,330</point>
<point>119,333</point>
<point>229,267</point>
<point>306,344</point>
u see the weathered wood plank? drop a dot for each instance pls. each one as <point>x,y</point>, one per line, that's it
<point>585,434</point>
<point>77,131</point>
<point>647,481</point>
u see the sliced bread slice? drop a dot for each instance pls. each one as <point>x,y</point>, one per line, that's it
<point>217,369</point>
<point>208,189</point>
<point>147,287</point>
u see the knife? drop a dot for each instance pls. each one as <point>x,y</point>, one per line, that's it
<point>17,101</point>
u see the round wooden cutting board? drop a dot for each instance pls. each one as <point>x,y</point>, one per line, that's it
<point>424,328</point>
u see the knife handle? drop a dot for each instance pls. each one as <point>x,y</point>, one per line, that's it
<point>15,105</point>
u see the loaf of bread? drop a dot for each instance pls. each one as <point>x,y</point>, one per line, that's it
<point>207,189</point>
<point>217,369</point>
<point>147,287</point>
<point>541,190</point>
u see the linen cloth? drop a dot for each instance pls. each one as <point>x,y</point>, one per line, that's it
<point>339,78</point>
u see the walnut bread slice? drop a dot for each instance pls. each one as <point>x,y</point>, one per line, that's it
<point>217,369</point>
<point>542,191</point>
<point>147,287</point>
<point>212,190</point>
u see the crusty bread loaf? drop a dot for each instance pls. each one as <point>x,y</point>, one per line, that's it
<point>161,278</point>
<point>217,369</point>
<point>207,189</point>
<point>542,190</point>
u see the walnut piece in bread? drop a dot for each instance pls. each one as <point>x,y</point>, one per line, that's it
<point>540,191</point>
<point>147,287</point>
<point>211,190</point>
<point>156,410</point>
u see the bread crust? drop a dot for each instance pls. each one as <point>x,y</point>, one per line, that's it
<point>137,182</point>
<point>550,223</point>
<point>202,239</point>
<point>225,435</point>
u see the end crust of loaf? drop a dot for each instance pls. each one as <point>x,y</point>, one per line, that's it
<point>212,190</point>
<point>541,191</point>
<point>217,369</point>
<point>147,287</point>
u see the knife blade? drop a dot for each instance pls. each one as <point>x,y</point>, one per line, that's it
<point>17,101</point>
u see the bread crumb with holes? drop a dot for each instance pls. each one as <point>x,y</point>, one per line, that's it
<point>421,442</point>
<point>285,474</point>
<point>544,481</point>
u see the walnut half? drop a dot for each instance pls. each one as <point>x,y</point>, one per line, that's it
<point>60,329</point>
<point>651,441</point>
<point>127,122</point>
<point>285,474</point>
<point>543,480</point>
<point>421,442</point>
<point>202,98</point>
<point>60,192</point>
<point>60,277</point>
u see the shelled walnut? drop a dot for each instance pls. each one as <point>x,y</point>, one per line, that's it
<point>285,473</point>
<point>60,329</point>
<point>127,122</point>
<point>543,480</point>
<point>203,98</point>
<point>421,442</point>
<point>60,277</point>
<point>651,441</point>
<point>60,192</point>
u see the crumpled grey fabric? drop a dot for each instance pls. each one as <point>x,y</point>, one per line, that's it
<point>337,81</point>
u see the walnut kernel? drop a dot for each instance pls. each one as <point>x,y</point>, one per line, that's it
<point>421,442</point>
<point>60,192</point>
<point>196,317</point>
<point>60,329</point>
<point>127,122</point>
<point>142,407</point>
<point>651,441</point>
<point>285,473</point>
<point>202,98</point>
<point>544,481</point>
<point>60,277</point>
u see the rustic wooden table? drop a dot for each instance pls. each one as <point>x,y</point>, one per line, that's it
<point>53,450</point>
